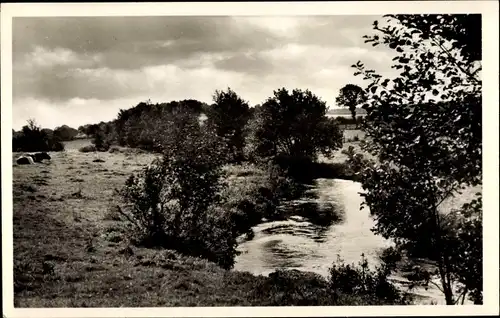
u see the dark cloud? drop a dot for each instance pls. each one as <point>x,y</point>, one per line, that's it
<point>117,43</point>
<point>132,42</point>
<point>59,84</point>
<point>105,58</point>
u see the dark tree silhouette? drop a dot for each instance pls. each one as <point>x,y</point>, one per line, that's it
<point>351,96</point>
<point>65,133</point>
<point>229,115</point>
<point>33,138</point>
<point>294,124</point>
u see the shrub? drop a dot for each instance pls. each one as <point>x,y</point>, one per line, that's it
<point>55,145</point>
<point>293,124</point>
<point>361,280</point>
<point>65,133</point>
<point>88,148</point>
<point>293,288</point>
<point>100,142</point>
<point>173,203</point>
<point>248,200</point>
<point>264,200</point>
<point>297,288</point>
<point>212,238</point>
<point>114,149</point>
<point>356,162</point>
<point>244,215</point>
<point>281,185</point>
<point>33,138</point>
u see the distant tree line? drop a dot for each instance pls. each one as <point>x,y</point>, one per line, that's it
<point>33,138</point>
<point>143,126</point>
<point>288,123</point>
<point>349,120</point>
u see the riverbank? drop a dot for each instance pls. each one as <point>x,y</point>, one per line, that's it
<point>70,251</point>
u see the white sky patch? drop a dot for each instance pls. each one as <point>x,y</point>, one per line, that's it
<point>286,52</point>
<point>74,112</point>
<point>45,58</point>
<point>58,56</point>
<point>158,73</point>
<point>282,25</point>
<point>311,59</point>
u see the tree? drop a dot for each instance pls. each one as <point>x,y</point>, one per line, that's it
<point>33,138</point>
<point>294,125</point>
<point>229,115</point>
<point>65,133</point>
<point>425,129</point>
<point>174,201</point>
<point>99,140</point>
<point>144,125</point>
<point>351,96</point>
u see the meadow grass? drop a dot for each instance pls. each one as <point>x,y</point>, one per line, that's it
<point>70,249</point>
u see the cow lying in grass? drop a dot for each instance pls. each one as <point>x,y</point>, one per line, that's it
<point>30,159</point>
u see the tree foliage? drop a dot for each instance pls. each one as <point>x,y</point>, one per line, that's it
<point>362,280</point>
<point>141,126</point>
<point>294,124</point>
<point>229,115</point>
<point>33,138</point>
<point>65,133</point>
<point>351,96</point>
<point>173,203</point>
<point>424,126</point>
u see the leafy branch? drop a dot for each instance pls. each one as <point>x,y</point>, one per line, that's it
<point>454,62</point>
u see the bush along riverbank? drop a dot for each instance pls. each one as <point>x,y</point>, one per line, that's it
<point>234,204</point>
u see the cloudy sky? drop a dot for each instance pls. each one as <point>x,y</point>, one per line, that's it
<point>77,70</point>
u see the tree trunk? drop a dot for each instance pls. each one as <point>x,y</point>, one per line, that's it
<point>443,269</point>
<point>448,294</point>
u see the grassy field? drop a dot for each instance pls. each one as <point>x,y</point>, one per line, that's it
<point>69,250</point>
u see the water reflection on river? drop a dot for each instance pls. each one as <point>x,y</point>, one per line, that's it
<point>309,245</point>
<point>313,245</point>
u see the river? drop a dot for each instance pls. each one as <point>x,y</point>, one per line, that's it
<point>299,244</point>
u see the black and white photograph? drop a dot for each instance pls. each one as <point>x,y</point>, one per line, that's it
<point>272,159</point>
